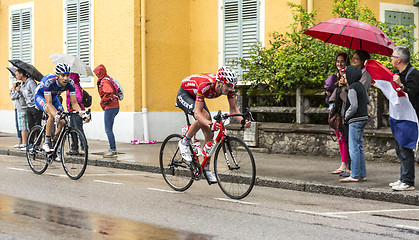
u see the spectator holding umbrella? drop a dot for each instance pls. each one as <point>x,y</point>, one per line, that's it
<point>25,70</point>
<point>15,102</point>
<point>332,86</point>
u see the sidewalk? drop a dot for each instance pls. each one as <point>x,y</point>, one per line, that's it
<point>301,173</point>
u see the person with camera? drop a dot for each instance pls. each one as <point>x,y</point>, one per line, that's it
<point>21,108</point>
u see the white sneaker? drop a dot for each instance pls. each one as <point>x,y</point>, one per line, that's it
<point>396,183</point>
<point>184,150</point>
<point>403,187</point>
<point>210,176</point>
<point>110,154</point>
<point>22,147</point>
<point>46,147</point>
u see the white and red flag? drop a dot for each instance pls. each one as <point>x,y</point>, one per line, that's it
<point>403,120</point>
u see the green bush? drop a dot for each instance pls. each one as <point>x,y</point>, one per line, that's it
<point>294,60</point>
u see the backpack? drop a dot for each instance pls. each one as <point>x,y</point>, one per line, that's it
<point>87,99</point>
<point>118,88</point>
<point>335,118</point>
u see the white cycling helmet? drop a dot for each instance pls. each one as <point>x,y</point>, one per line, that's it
<point>227,75</point>
<point>62,68</point>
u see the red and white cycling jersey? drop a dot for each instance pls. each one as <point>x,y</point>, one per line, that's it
<point>202,86</point>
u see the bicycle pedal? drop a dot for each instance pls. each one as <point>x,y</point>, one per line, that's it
<point>209,180</point>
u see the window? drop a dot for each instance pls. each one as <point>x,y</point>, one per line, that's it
<point>241,29</point>
<point>399,18</point>
<point>21,26</point>
<point>78,32</point>
<point>21,35</point>
<point>400,14</point>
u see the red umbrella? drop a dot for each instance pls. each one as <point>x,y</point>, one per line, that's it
<point>353,34</point>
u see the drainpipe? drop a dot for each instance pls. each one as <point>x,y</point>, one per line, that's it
<point>310,4</point>
<point>143,73</point>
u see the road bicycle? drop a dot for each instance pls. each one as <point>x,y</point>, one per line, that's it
<point>234,165</point>
<point>71,147</point>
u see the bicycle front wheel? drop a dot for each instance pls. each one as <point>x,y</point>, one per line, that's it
<point>234,168</point>
<point>74,153</point>
<point>173,168</point>
<point>36,159</point>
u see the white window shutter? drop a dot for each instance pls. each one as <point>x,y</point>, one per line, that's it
<point>250,30</point>
<point>232,44</point>
<point>78,42</point>
<point>21,42</point>
<point>72,39</point>
<point>241,29</point>
<point>84,36</point>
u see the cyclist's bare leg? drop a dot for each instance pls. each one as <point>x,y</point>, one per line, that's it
<point>205,129</point>
<point>59,128</point>
<point>207,134</point>
<point>52,112</point>
<point>195,126</point>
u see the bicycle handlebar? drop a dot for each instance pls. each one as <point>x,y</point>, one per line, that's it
<point>62,114</point>
<point>247,115</point>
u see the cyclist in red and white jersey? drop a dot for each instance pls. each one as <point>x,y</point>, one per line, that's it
<point>191,99</point>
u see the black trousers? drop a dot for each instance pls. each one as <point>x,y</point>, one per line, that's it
<point>407,164</point>
<point>34,117</point>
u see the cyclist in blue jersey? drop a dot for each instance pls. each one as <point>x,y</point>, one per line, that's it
<point>46,99</point>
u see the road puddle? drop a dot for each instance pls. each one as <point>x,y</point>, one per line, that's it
<point>16,210</point>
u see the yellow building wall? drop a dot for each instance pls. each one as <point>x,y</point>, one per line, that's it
<point>168,51</point>
<point>324,7</point>
<point>116,41</point>
<point>5,104</point>
<point>182,39</point>
<point>204,44</point>
<point>278,16</point>
<point>182,43</point>
<point>114,47</point>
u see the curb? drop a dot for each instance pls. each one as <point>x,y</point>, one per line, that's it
<point>363,193</point>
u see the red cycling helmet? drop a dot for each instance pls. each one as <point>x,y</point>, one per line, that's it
<point>227,75</point>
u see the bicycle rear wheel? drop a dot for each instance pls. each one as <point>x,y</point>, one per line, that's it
<point>234,168</point>
<point>173,168</point>
<point>74,153</point>
<point>36,159</point>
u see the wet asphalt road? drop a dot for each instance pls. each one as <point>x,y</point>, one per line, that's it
<point>111,203</point>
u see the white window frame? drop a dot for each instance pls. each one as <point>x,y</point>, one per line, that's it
<point>19,7</point>
<point>401,8</point>
<point>221,29</point>
<point>89,84</point>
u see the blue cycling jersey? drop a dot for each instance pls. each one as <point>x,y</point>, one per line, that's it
<point>50,86</point>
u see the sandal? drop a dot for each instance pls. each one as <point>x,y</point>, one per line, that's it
<point>338,171</point>
<point>349,179</point>
<point>345,173</point>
